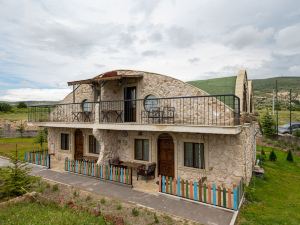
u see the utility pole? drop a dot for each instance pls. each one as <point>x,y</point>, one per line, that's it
<point>273,103</point>
<point>276,107</point>
<point>290,111</point>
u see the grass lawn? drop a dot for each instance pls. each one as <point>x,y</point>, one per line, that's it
<point>14,115</point>
<point>8,146</point>
<point>36,213</point>
<point>277,196</point>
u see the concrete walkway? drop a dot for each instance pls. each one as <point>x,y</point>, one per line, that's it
<point>201,213</point>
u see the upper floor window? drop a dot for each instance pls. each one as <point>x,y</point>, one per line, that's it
<point>64,141</point>
<point>150,102</point>
<point>93,145</point>
<point>141,149</point>
<point>86,106</point>
<point>194,155</point>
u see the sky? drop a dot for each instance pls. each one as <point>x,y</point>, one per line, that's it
<point>44,44</point>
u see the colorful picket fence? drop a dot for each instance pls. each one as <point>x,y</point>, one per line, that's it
<point>103,172</point>
<point>198,191</point>
<point>38,157</point>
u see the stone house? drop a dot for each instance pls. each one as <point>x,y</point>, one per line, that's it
<point>141,117</point>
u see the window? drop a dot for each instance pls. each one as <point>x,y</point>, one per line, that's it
<point>194,155</point>
<point>141,149</point>
<point>85,106</point>
<point>64,141</point>
<point>93,145</point>
<point>150,102</point>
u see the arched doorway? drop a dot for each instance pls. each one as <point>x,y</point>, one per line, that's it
<point>78,145</point>
<point>165,155</point>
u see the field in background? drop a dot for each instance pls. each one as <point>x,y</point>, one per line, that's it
<point>15,115</point>
<point>8,146</point>
<point>276,198</point>
<point>283,116</point>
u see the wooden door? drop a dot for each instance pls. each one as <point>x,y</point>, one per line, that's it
<point>130,104</point>
<point>166,156</point>
<point>78,145</point>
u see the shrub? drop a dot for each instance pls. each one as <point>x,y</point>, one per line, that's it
<point>268,125</point>
<point>102,201</point>
<point>119,207</point>
<point>272,156</point>
<point>88,198</point>
<point>5,107</point>
<point>41,137</point>
<point>250,194</point>
<point>262,155</point>
<point>296,133</point>
<point>55,187</point>
<point>21,128</point>
<point>15,180</point>
<point>21,105</point>
<point>135,212</point>
<point>290,156</point>
<point>155,218</point>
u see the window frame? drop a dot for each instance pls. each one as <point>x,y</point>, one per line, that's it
<point>143,149</point>
<point>65,141</point>
<point>95,145</point>
<point>194,149</point>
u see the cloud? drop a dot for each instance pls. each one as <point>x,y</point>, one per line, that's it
<point>288,39</point>
<point>30,94</point>
<point>249,36</point>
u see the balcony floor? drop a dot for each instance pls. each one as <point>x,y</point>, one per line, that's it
<point>205,129</point>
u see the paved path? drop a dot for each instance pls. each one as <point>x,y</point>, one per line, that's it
<point>201,213</point>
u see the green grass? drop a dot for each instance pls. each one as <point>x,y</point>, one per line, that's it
<point>46,214</point>
<point>278,195</point>
<point>8,146</point>
<point>14,115</point>
<point>223,85</point>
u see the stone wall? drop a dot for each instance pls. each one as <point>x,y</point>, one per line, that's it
<point>228,158</point>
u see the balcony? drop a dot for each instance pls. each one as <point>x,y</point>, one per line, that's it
<point>192,111</point>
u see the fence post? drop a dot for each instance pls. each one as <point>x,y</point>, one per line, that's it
<point>159,183</point>
<point>49,161</point>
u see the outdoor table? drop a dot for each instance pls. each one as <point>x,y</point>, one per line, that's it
<point>107,112</point>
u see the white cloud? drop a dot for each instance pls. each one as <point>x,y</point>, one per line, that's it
<point>288,40</point>
<point>30,94</point>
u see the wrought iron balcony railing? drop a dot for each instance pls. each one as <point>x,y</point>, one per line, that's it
<point>218,110</point>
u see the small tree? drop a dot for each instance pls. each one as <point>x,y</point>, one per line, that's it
<point>267,124</point>
<point>15,180</point>
<point>41,137</point>
<point>262,155</point>
<point>5,107</point>
<point>21,128</point>
<point>272,156</point>
<point>290,156</point>
<point>21,105</point>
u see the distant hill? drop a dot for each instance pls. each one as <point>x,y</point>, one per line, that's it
<point>30,103</point>
<point>263,88</point>
<point>223,85</point>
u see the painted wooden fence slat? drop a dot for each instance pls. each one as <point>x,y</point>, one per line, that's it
<point>171,185</point>
<point>163,181</point>
<point>167,184</point>
<point>200,191</point>
<point>224,198</point>
<point>191,190</point>
<point>159,184</point>
<point>209,194</point>
<point>110,173</point>
<point>186,189</point>
<point>178,186</point>
<point>214,195</point>
<point>174,186</point>
<point>235,205</point>
<point>219,196</point>
<point>196,191</point>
